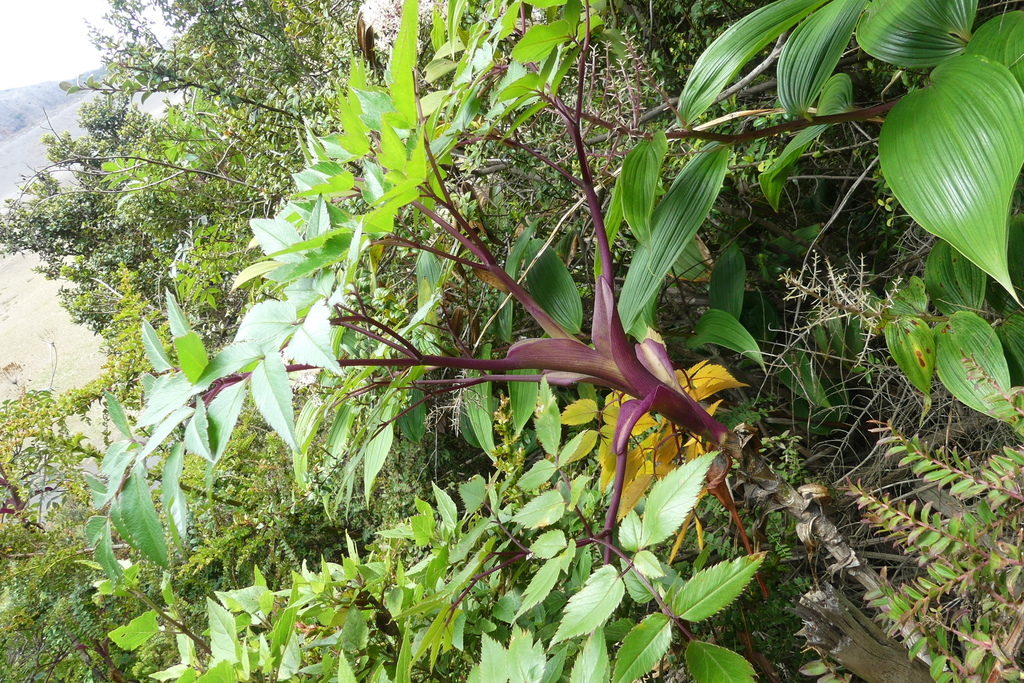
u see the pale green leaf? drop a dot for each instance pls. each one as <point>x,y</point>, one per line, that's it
<point>154,348</point>
<point>224,645</point>
<point>374,454</point>
<point>952,154</point>
<point>672,499</point>
<point>178,322</point>
<point>272,394</point>
<point>548,544</point>
<point>540,585</point>
<point>493,661</point>
<point>473,493</point>
<point>274,234</point>
<point>542,511</point>
<point>311,343</point>
<point>116,414</point>
<point>592,605</point>
<point>525,658</point>
<point>175,503</point>
<point>230,359</point>
<point>592,663</point>
<point>222,414</point>
<point>537,475</point>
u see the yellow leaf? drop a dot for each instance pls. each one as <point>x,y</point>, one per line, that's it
<point>705,379</point>
<point>586,445</point>
<point>633,492</point>
<point>607,460</point>
<point>579,413</point>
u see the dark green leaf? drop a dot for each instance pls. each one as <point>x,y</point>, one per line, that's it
<point>640,178</point>
<point>713,664</point>
<point>1011,335</point>
<point>952,154</point>
<point>912,345</point>
<point>134,515</point>
<point>550,283</point>
<point>720,328</point>
<point>916,33</point>
<point>812,52</point>
<point>727,279</point>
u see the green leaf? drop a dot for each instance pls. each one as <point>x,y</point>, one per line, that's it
<point>230,359</point>
<point>592,663</point>
<point>523,396</point>
<point>916,33</point>
<point>537,475</point>
<point>540,585</point>
<point>274,234</point>
<point>136,632</point>
<point>540,40</point>
<point>374,455</point>
<point>116,414</point>
<point>493,661</point>
<point>179,324</point>
<point>223,672</point>
<point>548,544</point>
<point>727,278</point>
<point>836,98</point>
<point>268,322</point>
<point>967,348</point>
<point>222,414</point>
<point>675,221</point>
<point>191,355</point>
<point>224,645</point>
<point>98,531</point>
<point>550,283</point>
<point>311,344</point>
<point>672,499</point>
<point>1011,334</point>
<point>272,394</point>
<point>525,658</point>
<point>154,348</point>
<point>173,498</point>
<point>812,52</point>
<point>643,648</point>
<point>710,590</point>
<point>592,605</point>
<point>641,174</point>
<point>912,345</point>
<point>544,510</point>
<point>720,328</point>
<point>911,298</point>
<point>953,282</point>
<point>547,422</point>
<point>1001,39</point>
<point>720,63</point>
<point>473,493</point>
<point>952,155</point>
<point>713,664</point>
<point>134,515</point>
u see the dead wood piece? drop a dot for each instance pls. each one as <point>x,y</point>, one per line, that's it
<point>841,632</point>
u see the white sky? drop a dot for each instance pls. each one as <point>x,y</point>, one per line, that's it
<point>47,40</point>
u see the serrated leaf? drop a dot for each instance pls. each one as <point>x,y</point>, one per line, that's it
<point>630,531</point>
<point>154,348</point>
<point>592,605</point>
<point>547,422</point>
<point>272,394</point>
<point>674,223</point>
<point>493,661</point>
<point>812,52</point>
<point>537,475</point>
<point>375,453</point>
<point>540,585</point>
<point>136,632</point>
<point>134,515</point>
<point>191,355</point>
<point>268,322</point>
<point>720,328</point>
<point>525,658</point>
<point>116,414</point>
<point>222,414</point>
<point>592,663</point>
<point>723,59</point>
<point>672,499</point>
<point>710,590</point>
<point>173,498</point>
<point>230,359</point>
<point>548,544</point>
<point>179,324</point>
<point>224,643</point>
<point>713,664</point>
<point>647,564</point>
<point>916,33</point>
<point>473,493</point>
<point>642,648</point>
<point>311,343</point>
<point>583,411</point>
<point>578,447</point>
<point>952,154</point>
<point>274,234</point>
<point>542,511</point>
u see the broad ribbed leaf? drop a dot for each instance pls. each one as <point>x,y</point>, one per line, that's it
<point>720,63</point>
<point>952,154</point>
<point>812,52</point>
<point>836,97</point>
<point>916,33</point>
<point>711,590</point>
<point>970,359</point>
<point>272,394</point>
<point>713,664</point>
<point>642,648</point>
<point>134,515</point>
<point>726,289</point>
<point>591,607</point>
<point>953,282</point>
<point>523,397</point>
<point>641,175</point>
<point>675,221</point>
<point>671,500</point>
<point>1001,39</point>
<point>720,328</point>
<point>550,283</point>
